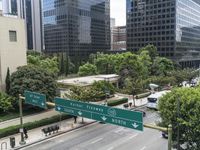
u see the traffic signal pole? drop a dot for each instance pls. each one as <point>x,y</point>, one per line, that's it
<point>168,130</point>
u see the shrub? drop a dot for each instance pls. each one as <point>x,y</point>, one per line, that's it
<point>117,102</point>
<point>31,125</point>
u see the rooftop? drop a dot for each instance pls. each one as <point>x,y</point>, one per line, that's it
<point>89,80</point>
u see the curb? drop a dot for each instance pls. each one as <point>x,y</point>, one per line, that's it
<point>19,147</point>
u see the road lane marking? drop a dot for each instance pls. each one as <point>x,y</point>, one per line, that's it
<point>133,136</point>
<point>119,129</point>
<point>111,148</point>
<point>143,148</point>
<point>97,140</point>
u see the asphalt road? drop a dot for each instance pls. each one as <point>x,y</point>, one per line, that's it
<point>107,137</point>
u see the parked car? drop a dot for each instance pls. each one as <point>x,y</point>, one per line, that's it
<point>165,135</point>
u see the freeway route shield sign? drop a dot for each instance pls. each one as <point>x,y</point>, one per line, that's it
<point>35,99</point>
<point>121,117</point>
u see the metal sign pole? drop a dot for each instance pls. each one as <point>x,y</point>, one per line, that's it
<point>22,142</point>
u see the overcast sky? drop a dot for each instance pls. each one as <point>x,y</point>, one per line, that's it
<point>118,11</point>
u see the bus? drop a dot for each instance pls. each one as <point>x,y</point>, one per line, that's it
<point>152,100</point>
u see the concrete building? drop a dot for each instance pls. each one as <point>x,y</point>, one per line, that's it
<point>30,10</point>
<point>118,38</point>
<point>173,26</point>
<point>76,27</point>
<point>86,81</point>
<point>12,46</point>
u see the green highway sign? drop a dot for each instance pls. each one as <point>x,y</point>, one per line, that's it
<point>35,99</point>
<point>121,117</point>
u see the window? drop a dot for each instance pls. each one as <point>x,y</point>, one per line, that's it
<point>13,36</point>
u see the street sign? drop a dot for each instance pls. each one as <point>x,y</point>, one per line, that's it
<point>35,99</point>
<point>121,117</point>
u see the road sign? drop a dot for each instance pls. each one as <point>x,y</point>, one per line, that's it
<point>121,117</point>
<point>35,99</point>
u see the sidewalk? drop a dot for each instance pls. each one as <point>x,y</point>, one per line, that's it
<point>36,135</point>
<point>29,118</point>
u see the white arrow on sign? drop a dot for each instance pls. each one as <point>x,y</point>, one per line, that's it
<point>103,118</point>
<point>80,113</point>
<point>58,108</point>
<point>135,125</point>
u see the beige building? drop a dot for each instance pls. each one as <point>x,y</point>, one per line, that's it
<point>12,46</point>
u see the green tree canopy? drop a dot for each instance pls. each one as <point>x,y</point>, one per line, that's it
<point>92,93</point>
<point>87,69</point>
<point>181,108</point>
<point>153,53</point>
<point>186,74</point>
<point>35,79</point>
<point>6,102</point>
<point>49,64</point>
<point>161,66</point>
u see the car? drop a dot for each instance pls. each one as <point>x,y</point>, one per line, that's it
<point>165,135</point>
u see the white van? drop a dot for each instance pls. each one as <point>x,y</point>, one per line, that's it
<point>154,98</point>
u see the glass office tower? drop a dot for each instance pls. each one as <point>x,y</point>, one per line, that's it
<point>76,27</point>
<point>173,26</point>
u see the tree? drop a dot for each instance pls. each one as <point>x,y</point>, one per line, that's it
<point>87,69</point>
<point>186,74</point>
<point>49,64</point>
<point>105,63</point>
<point>181,109</point>
<point>161,66</point>
<point>8,81</point>
<point>6,102</point>
<point>35,79</point>
<point>92,93</point>
<point>153,53</point>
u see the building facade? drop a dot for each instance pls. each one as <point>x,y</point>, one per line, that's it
<point>12,46</point>
<point>173,26</point>
<point>30,10</point>
<point>76,27</point>
<point>119,38</point>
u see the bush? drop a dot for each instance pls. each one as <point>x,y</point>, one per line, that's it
<point>143,95</point>
<point>35,79</point>
<point>117,102</point>
<point>31,125</point>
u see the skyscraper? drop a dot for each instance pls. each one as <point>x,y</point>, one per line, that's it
<point>31,12</point>
<point>76,27</point>
<point>173,26</point>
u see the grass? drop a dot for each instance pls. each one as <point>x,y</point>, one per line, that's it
<point>15,114</point>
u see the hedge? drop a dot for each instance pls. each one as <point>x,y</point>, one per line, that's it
<point>31,125</point>
<point>143,95</point>
<point>117,102</point>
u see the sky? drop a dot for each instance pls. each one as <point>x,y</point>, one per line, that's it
<point>118,11</point>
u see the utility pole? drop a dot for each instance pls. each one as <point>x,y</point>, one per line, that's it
<point>22,142</point>
<point>178,116</point>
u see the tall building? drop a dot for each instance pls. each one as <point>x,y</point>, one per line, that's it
<point>30,10</point>
<point>173,26</point>
<point>119,38</point>
<point>76,27</point>
<point>12,46</point>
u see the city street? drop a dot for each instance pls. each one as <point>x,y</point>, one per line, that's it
<point>107,137</point>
